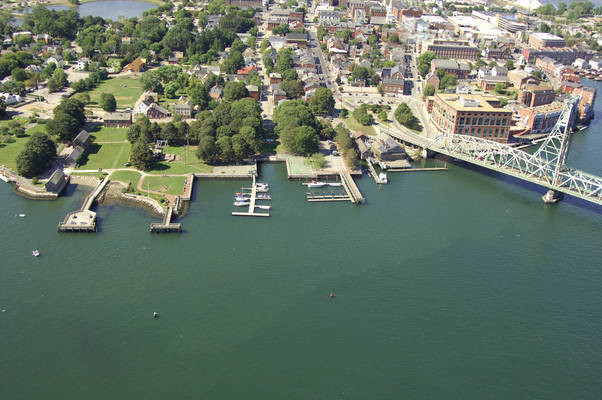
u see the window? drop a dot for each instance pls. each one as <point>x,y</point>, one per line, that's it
<point>496,131</point>
<point>486,121</point>
<point>480,121</point>
<point>497,122</point>
<point>474,121</point>
<point>462,121</point>
<point>504,122</point>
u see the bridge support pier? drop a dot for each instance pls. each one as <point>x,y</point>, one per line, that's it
<point>552,197</point>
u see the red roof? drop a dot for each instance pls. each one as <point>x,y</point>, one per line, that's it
<point>246,70</point>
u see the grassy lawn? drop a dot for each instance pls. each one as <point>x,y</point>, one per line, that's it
<point>125,90</point>
<point>127,177</point>
<point>106,156</point>
<point>164,184</point>
<point>109,134</point>
<point>187,163</point>
<point>99,175</point>
<point>356,126</point>
<point>299,165</point>
<point>37,128</point>
<point>10,151</point>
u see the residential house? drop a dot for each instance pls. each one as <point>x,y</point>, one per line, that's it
<point>175,57</point>
<point>118,119</point>
<point>216,92</point>
<point>144,105</point>
<point>518,78</point>
<point>138,65</point>
<point>253,91</point>
<point>183,108</point>
<point>155,111</point>
<point>82,139</point>
<point>275,77</point>
<point>56,60</point>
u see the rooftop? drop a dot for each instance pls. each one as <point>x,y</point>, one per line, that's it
<point>470,102</point>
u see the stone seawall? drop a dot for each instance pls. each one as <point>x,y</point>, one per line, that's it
<point>116,193</point>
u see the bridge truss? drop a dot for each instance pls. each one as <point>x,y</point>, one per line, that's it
<point>546,167</point>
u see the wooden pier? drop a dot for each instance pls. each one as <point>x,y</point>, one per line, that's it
<point>351,188</point>
<point>166,225</point>
<point>252,200</point>
<point>83,220</point>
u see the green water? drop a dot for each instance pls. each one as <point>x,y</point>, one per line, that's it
<point>448,284</point>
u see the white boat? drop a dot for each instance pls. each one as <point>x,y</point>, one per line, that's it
<point>263,207</point>
<point>335,184</point>
<point>35,253</point>
<point>382,178</point>
<point>316,184</point>
<point>20,215</point>
<point>263,184</point>
<point>263,197</point>
<point>241,203</point>
<point>262,190</point>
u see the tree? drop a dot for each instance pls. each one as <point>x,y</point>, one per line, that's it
<point>133,133</point>
<point>233,62</point>
<point>235,90</point>
<point>424,62</point>
<point>107,102</point>
<point>281,30</point>
<point>404,115</point>
<point>293,89</point>
<point>361,115</point>
<point>429,89</point>
<point>141,156</point>
<point>207,150</point>
<point>37,156</point>
<point>362,74</point>
<point>344,113</point>
<point>393,38</point>
<point>382,115</point>
<point>60,77</point>
<point>499,88</point>
<point>321,102</point>
<point>448,81</point>
<point>543,27</point>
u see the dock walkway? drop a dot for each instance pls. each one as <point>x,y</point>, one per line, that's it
<point>83,220</point>
<point>166,225</point>
<point>351,188</point>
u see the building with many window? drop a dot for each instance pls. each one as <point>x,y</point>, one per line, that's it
<point>472,115</point>
<point>453,49</point>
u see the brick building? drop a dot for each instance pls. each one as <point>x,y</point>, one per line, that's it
<point>541,119</point>
<point>519,78</point>
<point>454,49</point>
<point>541,40</point>
<point>472,115</point>
<point>588,96</point>
<point>245,3</point>
<point>536,95</point>
<point>459,69</point>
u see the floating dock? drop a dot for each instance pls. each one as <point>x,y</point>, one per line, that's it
<point>83,220</point>
<point>252,200</point>
<point>374,174</point>
<point>417,169</point>
<point>327,197</point>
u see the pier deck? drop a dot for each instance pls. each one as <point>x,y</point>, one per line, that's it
<point>166,225</point>
<point>83,220</point>
<point>351,188</point>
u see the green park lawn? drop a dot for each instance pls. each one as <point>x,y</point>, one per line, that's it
<point>164,184</point>
<point>109,134</point>
<point>10,151</point>
<point>125,90</point>
<point>126,177</point>
<point>187,163</point>
<point>106,156</point>
<point>353,125</point>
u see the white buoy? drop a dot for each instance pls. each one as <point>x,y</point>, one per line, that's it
<point>155,315</point>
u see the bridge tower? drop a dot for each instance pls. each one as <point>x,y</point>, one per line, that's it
<point>554,150</point>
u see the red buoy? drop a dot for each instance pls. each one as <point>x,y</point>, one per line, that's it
<point>331,295</point>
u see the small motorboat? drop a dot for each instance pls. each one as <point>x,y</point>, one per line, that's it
<point>263,196</point>
<point>241,203</point>
<point>382,178</point>
<point>155,315</point>
<point>316,184</point>
<point>20,215</point>
<point>35,253</point>
<point>261,207</point>
<point>335,184</point>
<point>262,190</point>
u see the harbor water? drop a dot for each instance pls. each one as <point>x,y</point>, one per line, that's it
<point>447,284</point>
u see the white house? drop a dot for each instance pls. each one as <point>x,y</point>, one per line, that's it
<point>595,63</point>
<point>581,63</point>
